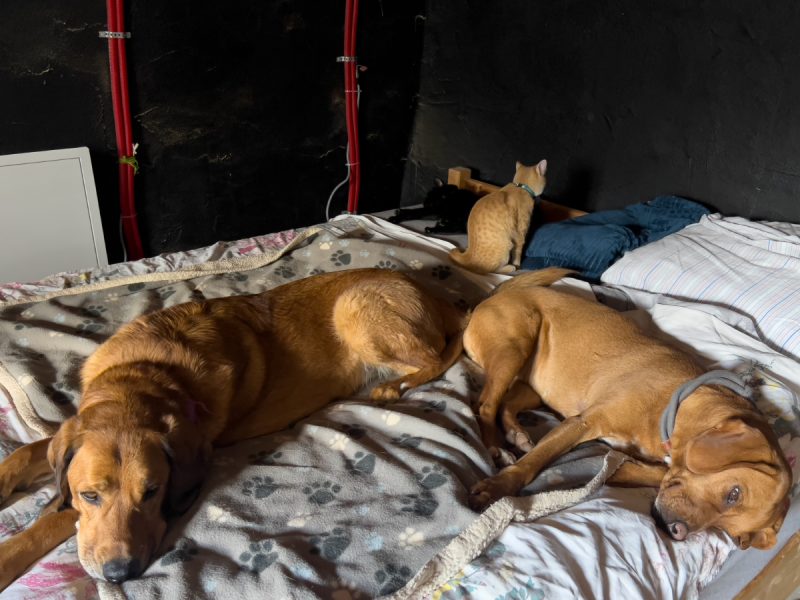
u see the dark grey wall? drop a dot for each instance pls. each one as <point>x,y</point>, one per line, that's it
<point>238,107</point>
<point>627,99</point>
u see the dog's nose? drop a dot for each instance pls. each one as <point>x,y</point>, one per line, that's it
<point>121,569</point>
<point>678,530</point>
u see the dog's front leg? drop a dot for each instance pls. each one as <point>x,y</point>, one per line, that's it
<point>23,467</point>
<point>22,550</point>
<point>638,474</point>
<point>512,479</point>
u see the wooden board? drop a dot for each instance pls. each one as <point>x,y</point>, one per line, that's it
<point>780,578</point>
<point>550,212</point>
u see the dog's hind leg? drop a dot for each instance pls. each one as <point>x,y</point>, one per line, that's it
<point>23,467</point>
<point>502,366</point>
<point>424,366</point>
<point>520,397</point>
<point>23,549</point>
<point>508,482</point>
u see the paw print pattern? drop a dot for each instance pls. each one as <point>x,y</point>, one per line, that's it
<point>339,442</point>
<point>387,264</point>
<point>391,578</point>
<point>330,545</point>
<point>441,272</point>
<point>361,464</point>
<point>185,550</point>
<point>423,504</point>
<point>87,327</point>
<point>322,493</point>
<point>135,287</point>
<point>435,405</point>
<point>431,477</point>
<point>316,271</point>
<point>237,277</point>
<point>410,538</point>
<point>341,258</point>
<point>285,271</point>
<point>258,556</point>
<point>259,487</point>
<point>408,441</point>
<point>264,457</point>
<point>166,292</point>
<point>354,431</point>
<point>93,310</point>
<point>61,393</point>
<point>416,264</point>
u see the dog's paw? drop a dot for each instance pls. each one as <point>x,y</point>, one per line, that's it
<point>486,492</point>
<point>386,392</point>
<point>502,457</point>
<point>520,440</point>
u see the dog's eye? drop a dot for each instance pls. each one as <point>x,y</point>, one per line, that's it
<point>734,496</point>
<point>91,497</point>
<point>149,493</point>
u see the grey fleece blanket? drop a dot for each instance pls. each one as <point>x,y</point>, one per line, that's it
<point>350,502</point>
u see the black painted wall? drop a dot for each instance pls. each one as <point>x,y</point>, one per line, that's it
<point>238,105</point>
<point>627,99</point>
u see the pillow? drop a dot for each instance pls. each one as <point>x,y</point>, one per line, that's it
<point>750,267</point>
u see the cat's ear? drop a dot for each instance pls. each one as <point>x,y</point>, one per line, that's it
<point>439,182</point>
<point>541,168</point>
<point>518,165</point>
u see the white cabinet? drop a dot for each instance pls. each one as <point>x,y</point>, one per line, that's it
<point>49,218</point>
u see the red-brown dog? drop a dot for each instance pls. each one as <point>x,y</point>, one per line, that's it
<point>612,382</point>
<point>160,392</point>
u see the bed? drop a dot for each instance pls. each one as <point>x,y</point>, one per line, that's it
<point>364,500</point>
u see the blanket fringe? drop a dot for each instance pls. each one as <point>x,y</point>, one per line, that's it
<point>473,541</point>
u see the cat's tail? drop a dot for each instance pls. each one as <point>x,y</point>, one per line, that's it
<point>463,259</point>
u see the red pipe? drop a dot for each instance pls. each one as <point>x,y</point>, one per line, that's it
<point>120,99</point>
<point>351,103</point>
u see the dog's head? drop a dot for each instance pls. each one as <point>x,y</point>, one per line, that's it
<point>733,477</point>
<point>124,480</point>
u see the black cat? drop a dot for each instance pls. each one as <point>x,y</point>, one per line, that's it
<point>447,204</point>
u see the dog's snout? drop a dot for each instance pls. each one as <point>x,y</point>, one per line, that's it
<point>121,569</point>
<point>678,530</point>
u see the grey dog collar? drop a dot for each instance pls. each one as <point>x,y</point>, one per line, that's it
<point>727,379</point>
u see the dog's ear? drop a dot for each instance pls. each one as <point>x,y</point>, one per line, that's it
<point>541,167</point>
<point>517,165</point>
<point>62,448</point>
<point>733,442</point>
<point>188,459</point>
<point>764,539</point>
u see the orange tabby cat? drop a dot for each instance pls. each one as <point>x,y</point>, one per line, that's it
<point>498,223</point>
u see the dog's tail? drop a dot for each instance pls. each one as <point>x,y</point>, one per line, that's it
<point>540,278</point>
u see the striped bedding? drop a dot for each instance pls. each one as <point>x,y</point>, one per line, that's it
<point>752,268</point>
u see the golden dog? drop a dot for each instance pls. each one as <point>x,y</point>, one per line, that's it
<point>165,388</point>
<point>721,467</point>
